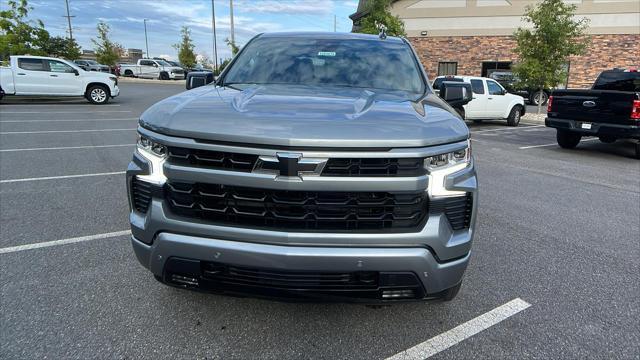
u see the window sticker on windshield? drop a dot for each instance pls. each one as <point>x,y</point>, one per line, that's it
<point>326,53</point>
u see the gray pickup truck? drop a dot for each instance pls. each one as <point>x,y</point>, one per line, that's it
<point>317,166</point>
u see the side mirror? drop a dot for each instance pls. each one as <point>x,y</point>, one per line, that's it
<point>155,65</point>
<point>199,78</point>
<point>75,71</point>
<point>455,93</point>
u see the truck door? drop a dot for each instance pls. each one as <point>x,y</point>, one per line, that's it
<point>476,108</point>
<point>148,68</point>
<point>497,102</point>
<point>62,79</point>
<point>31,77</point>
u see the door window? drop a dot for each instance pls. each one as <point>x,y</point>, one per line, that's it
<point>494,88</point>
<point>146,63</point>
<point>447,68</point>
<point>477,87</point>
<point>59,67</point>
<point>31,64</point>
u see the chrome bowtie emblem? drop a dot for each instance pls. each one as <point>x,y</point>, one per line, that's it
<point>289,165</point>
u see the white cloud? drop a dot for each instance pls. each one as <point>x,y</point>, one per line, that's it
<point>287,7</point>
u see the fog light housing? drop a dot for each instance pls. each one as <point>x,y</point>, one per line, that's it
<point>398,294</point>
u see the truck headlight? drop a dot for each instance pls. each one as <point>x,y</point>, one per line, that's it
<point>441,165</point>
<point>156,154</point>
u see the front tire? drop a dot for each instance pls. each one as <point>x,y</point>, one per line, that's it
<point>514,116</point>
<point>539,97</point>
<point>164,76</point>
<point>567,139</point>
<point>98,94</point>
<point>128,73</point>
<point>607,139</point>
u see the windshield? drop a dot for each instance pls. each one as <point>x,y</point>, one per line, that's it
<point>91,62</point>
<point>375,64</point>
<point>163,63</point>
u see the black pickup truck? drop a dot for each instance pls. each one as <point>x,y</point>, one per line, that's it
<point>610,110</point>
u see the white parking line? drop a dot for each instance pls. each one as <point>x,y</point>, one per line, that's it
<point>7,181</point>
<point>60,131</point>
<point>13,249</point>
<point>65,120</point>
<point>506,128</point>
<point>462,332</point>
<point>65,112</point>
<point>65,147</point>
<point>545,145</point>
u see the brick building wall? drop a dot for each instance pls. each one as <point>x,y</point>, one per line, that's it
<point>605,52</point>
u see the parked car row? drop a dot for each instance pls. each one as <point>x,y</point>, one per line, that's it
<point>153,69</point>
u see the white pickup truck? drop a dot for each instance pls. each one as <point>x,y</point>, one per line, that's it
<point>45,76</point>
<point>490,100</point>
<point>153,69</point>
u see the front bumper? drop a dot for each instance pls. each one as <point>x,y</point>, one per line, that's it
<point>597,129</point>
<point>174,76</point>
<point>115,91</point>
<point>193,251</point>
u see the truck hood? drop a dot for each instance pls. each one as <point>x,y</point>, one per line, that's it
<point>305,116</point>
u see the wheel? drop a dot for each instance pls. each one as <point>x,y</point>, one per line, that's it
<point>567,139</point>
<point>98,94</point>
<point>164,76</point>
<point>514,116</point>
<point>450,293</point>
<point>607,139</point>
<point>539,97</point>
<point>128,73</point>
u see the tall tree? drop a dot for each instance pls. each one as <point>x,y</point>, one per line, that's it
<point>544,48</point>
<point>232,45</point>
<point>58,46</point>
<point>185,48</point>
<point>18,34</point>
<point>107,51</point>
<point>377,12</point>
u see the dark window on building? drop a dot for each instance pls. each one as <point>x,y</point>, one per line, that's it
<point>31,64</point>
<point>618,80</point>
<point>494,88</point>
<point>437,82</point>
<point>477,87</point>
<point>489,67</point>
<point>447,68</point>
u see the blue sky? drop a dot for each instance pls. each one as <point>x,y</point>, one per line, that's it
<point>166,17</point>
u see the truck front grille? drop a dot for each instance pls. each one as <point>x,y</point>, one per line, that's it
<point>342,167</point>
<point>212,159</point>
<point>375,167</point>
<point>298,210</point>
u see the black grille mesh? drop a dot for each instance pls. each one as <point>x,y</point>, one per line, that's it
<point>375,167</point>
<point>212,159</point>
<point>457,209</point>
<point>141,195</point>
<point>298,210</point>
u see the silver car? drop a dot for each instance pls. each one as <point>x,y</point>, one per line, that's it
<point>317,166</point>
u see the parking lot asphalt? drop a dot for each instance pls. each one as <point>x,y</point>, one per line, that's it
<point>556,228</point>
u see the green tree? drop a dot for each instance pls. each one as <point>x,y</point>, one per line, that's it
<point>377,12</point>
<point>58,46</point>
<point>107,51</point>
<point>186,55</point>
<point>18,34</point>
<point>545,48</point>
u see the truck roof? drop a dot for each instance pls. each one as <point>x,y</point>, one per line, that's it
<point>329,35</point>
